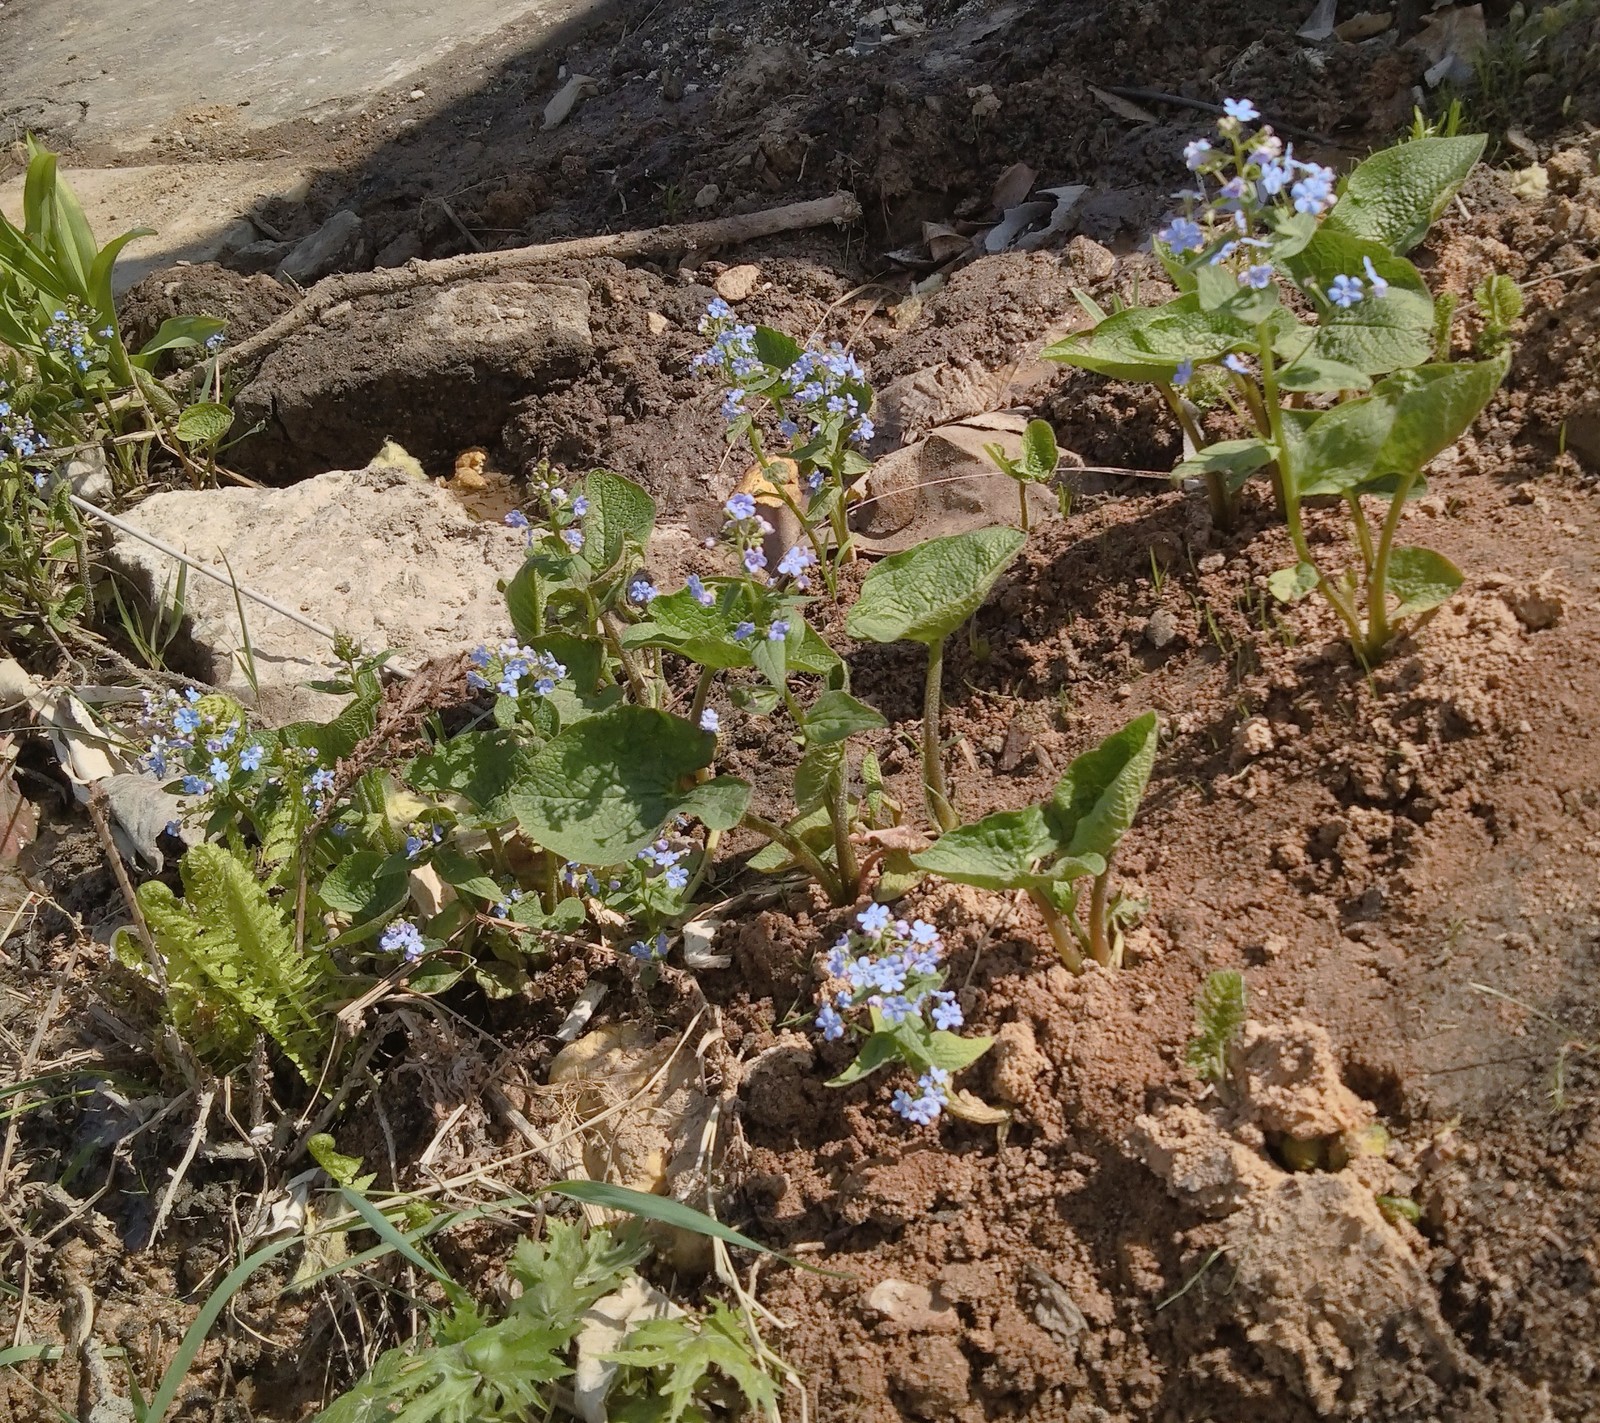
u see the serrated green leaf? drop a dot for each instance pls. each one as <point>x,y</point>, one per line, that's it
<point>570,1269</point>
<point>927,592</point>
<point>683,1358</point>
<point>1396,195</point>
<point>1421,579</point>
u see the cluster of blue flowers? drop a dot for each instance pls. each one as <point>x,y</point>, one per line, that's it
<point>562,512</point>
<point>419,837</point>
<point>18,438</point>
<point>573,874</point>
<point>662,856</point>
<point>649,950</point>
<point>68,334</point>
<point>404,938</point>
<point>812,393</point>
<point>182,735</point>
<point>891,965</point>
<point>502,908</point>
<point>507,668</point>
<point>1256,178</point>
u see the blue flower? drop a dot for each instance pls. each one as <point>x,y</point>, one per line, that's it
<point>719,310</point>
<point>1184,373</point>
<point>1259,276</point>
<point>321,780</point>
<point>572,538</point>
<point>648,951</point>
<point>641,591</point>
<point>1345,291</point>
<point>250,757</point>
<point>1314,192</point>
<point>699,592</point>
<point>741,506</point>
<point>1377,283</point>
<point>1274,178</point>
<point>709,721</point>
<point>1236,363</point>
<point>921,932</point>
<point>743,631</point>
<point>778,631</point>
<point>516,519</point>
<point>220,770</point>
<point>174,828</point>
<point>186,720</point>
<point>865,430</point>
<point>1183,234</point>
<point>873,920</point>
<point>1241,110</point>
<point>404,938</point>
<point>788,429</point>
<point>947,1012</point>
<point>794,563</point>
<point>580,507</point>
<point>193,785</point>
<point>829,1023</point>
<point>676,877</point>
<point>1196,154</point>
<point>754,560</point>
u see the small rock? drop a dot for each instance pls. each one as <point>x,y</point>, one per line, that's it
<point>934,1378</point>
<point>577,88</point>
<point>656,322</point>
<point>416,94</point>
<point>329,247</point>
<point>738,282</point>
<point>913,1306</point>
<point>238,235</point>
<point>255,257</point>
<point>1252,738</point>
<point>1363,26</point>
<point>1538,605</point>
<point>1212,563</point>
<point>707,195</point>
<point>672,86</point>
<point>1161,628</point>
<point>400,251</point>
<point>1090,262</point>
<point>1567,169</point>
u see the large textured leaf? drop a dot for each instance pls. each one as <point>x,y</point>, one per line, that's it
<point>1007,850</point>
<point>837,716</point>
<point>482,766</point>
<point>1395,196</point>
<point>1433,407</point>
<point>232,968</point>
<point>621,515</point>
<point>1095,801</point>
<point>1337,451</point>
<point>601,790</point>
<point>927,592</point>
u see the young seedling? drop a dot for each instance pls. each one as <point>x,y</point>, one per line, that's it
<point>1036,465</point>
<point>923,595</point>
<point>1219,1012</point>
<point>1046,849</point>
<point>1336,383</point>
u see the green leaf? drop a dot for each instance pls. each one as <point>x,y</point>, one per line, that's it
<point>570,1269</point>
<point>1433,407</point>
<point>363,886</point>
<point>1117,348</point>
<point>1234,458</point>
<point>662,1208</point>
<point>204,424</point>
<point>953,1052</point>
<point>465,874</point>
<point>1290,585</point>
<point>837,716</point>
<point>1395,196</point>
<point>1337,450</point>
<point>927,592</point>
<point>1097,798</point>
<point>386,1231</point>
<point>683,1360</point>
<point>1316,373</point>
<point>343,1170</point>
<point>778,350</point>
<point>1219,1013</point>
<point>718,804</point>
<point>481,766</point>
<point>1421,579</point>
<point>179,333</point>
<point>601,790</point>
<point>879,1049</point>
<point>621,517</point>
<point>814,775</point>
<point>1039,452</point>
<point>1001,851</point>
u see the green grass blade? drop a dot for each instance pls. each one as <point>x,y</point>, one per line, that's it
<point>195,1337</point>
<point>388,1232</point>
<point>662,1208</point>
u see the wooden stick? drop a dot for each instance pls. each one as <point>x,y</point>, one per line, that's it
<point>471,266</point>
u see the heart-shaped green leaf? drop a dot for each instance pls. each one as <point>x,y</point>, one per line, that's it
<point>1397,194</point>
<point>1421,579</point>
<point>837,716</point>
<point>927,592</point>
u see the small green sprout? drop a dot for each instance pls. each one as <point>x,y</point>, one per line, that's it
<point>1219,1012</point>
<point>1036,465</point>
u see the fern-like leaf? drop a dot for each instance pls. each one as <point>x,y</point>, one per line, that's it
<point>232,969</point>
<point>565,1273</point>
<point>1218,1014</point>
<point>680,1357</point>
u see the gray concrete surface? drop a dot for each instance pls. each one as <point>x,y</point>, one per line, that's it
<point>117,71</point>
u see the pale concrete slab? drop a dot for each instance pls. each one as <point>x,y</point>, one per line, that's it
<point>117,71</point>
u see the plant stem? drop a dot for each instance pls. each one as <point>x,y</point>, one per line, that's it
<point>702,690</point>
<point>844,853</point>
<point>1099,929</point>
<point>1378,631</point>
<point>1363,532</point>
<point>933,782</point>
<point>696,879</point>
<point>1061,934</point>
<point>612,632</point>
<point>1022,499</point>
<point>799,851</point>
<point>1222,508</point>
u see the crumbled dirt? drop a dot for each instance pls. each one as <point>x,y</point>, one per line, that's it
<point>1401,863</point>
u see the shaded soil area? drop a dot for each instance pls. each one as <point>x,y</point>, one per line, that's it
<point>1400,862</point>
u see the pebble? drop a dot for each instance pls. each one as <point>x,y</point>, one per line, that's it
<point>707,195</point>
<point>656,322</point>
<point>1212,563</point>
<point>737,283</point>
<point>1161,628</point>
<point>416,94</point>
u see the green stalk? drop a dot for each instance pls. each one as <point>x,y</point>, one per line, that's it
<point>1022,500</point>
<point>1378,630</point>
<point>844,853</point>
<point>1099,929</point>
<point>800,852</point>
<point>1297,533</point>
<point>1222,504</point>
<point>1263,424</point>
<point>696,879</point>
<point>933,782</point>
<point>1363,533</point>
<point>1061,934</point>
<point>702,690</point>
<point>612,632</point>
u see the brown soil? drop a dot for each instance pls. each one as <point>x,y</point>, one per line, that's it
<point>1402,864</point>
